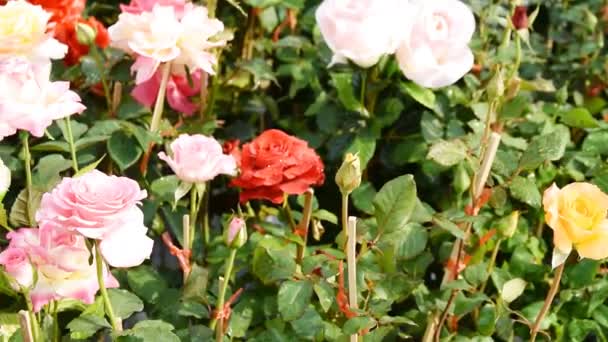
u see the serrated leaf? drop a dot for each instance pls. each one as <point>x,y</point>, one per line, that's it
<point>448,153</point>
<point>124,303</point>
<point>86,325</point>
<point>343,82</point>
<point>422,95</point>
<point>394,203</point>
<point>124,150</point>
<point>549,146</point>
<point>579,117</point>
<point>525,190</point>
<point>293,298</point>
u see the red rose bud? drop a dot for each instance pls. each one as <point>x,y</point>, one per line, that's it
<point>235,236</point>
<point>520,18</point>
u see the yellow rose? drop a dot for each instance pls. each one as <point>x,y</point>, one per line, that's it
<point>23,32</point>
<point>577,215</point>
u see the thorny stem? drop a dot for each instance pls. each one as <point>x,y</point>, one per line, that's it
<point>550,295</point>
<point>27,160</point>
<point>219,307</point>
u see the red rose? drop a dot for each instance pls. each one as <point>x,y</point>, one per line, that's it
<point>65,32</point>
<point>276,163</point>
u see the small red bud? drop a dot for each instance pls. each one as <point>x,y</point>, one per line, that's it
<point>520,17</point>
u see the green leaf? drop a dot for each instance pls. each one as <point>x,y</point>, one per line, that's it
<point>124,303</point>
<point>549,146</point>
<point>196,285</point>
<point>410,241</point>
<point>464,304</point>
<point>394,203</point>
<point>422,95</point>
<point>357,324</point>
<point>525,190</point>
<point>343,82</point>
<point>146,283</point>
<point>46,172</point>
<point>18,216</point>
<point>124,150</point>
<point>325,293</point>
<point>487,319</point>
<point>151,331</point>
<point>363,196</point>
<point>193,309</point>
<point>89,167</point>
<point>163,188</point>
<point>9,324</point>
<point>512,289</point>
<point>579,118</point>
<point>448,153</point>
<point>86,325</point>
<point>272,261</point>
<point>293,298</point>
<point>308,325</point>
<point>448,225</point>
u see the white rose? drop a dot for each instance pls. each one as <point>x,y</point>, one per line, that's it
<point>361,30</point>
<point>5,179</point>
<point>434,52</point>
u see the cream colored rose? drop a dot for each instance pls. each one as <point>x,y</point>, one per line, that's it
<point>23,32</point>
<point>5,179</point>
<point>577,215</point>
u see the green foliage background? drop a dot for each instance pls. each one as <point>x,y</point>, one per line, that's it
<point>553,130</point>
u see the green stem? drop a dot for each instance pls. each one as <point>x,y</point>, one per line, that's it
<point>56,334</point>
<point>211,6</point>
<point>70,138</point>
<point>550,295</point>
<point>102,288</point>
<point>160,98</point>
<point>33,320</point>
<point>305,223</point>
<point>345,217</point>
<point>220,299</point>
<point>193,215</point>
<point>102,72</point>
<point>491,264</point>
<point>27,160</point>
<point>205,204</point>
<point>290,220</point>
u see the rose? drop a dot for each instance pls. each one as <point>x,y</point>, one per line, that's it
<point>60,260</point>
<point>29,101</point>
<point>198,159</point>
<point>164,35</point>
<point>66,33</point>
<point>138,6</point>
<point>178,91</point>
<point>101,207</point>
<point>5,179</point>
<point>276,163</point>
<point>235,236</point>
<point>520,18</point>
<point>62,10</point>
<point>360,30</point>
<point>23,32</point>
<point>577,215</point>
<point>434,51</point>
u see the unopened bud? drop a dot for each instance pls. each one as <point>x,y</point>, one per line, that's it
<point>520,18</point>
<point>85,34</point>
<point>235,236</point>
<point>507,225</point>
<point>5,179</point>
<point>496,86</point>
<point>462,180</point>
<point>348,176</point>
<point>513,88</point>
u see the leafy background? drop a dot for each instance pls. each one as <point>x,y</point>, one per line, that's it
<point>419,148</point>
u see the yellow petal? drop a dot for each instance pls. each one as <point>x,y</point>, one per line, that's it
<point>596,247</point>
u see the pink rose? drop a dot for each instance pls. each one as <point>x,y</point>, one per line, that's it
<point>101,207</point>
<point>29,101</point>
<point>17,265</point>
<point>361,30</point>
<point>178,91</point>
<point>198,159</point>
<point>138,6</point>
<point>435,52</point>
<point>59,258</point>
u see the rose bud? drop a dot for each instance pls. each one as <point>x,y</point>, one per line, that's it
<point>507,225</point>
<point>235,236</point>
<point>85,34</point>
<point>520,18</point>
<point>348,176</point>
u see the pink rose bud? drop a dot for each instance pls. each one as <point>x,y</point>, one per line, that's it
<point>17,265</point>
<point>236,234</point>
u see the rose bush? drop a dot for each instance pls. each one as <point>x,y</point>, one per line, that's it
<point>324,170</point>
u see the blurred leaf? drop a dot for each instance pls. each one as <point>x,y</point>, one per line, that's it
<point>394,203</point>
<point>344,85</point>
<point>525,190</point>
<point>123,150</point>
<point>422,95</point>
<point>550,146</point>
<point>578,117</point>
<point>293,298</point>
<point>86,325</point>
<point>448,153</point>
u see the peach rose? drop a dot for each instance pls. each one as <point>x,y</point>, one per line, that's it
<point>577,215</point>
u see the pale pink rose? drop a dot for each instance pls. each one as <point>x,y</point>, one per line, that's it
<point>17,265</point>
<point>236,227</point>
<point>178,91</point>
<point>435,52</point>
<point>60,260</point>
<point>100,207</point>
<point>138,6</point>
<point>198,159</point>
<point>361,30</point>
<point>29,101</point>
<point>165,34</point>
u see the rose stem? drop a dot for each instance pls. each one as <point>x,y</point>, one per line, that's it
<point>27,160</point>
<point>219,307</point>
<point>345,217</point>
<point>287,208</point>
<point>205,204</point>
<point>102,71</point>
<point>550,295</point>
<point>32,323</point>
<point>187,240</point>
<point>305,223</point>
<point>160,98</point>
<point>195,203</point>
<point>219,332</point>
<point>25,322</point>
<point>351,257</point>
<point>56,334</point>
<point>491,265</point>
<point>70,138</point>
<point>102,288</point>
